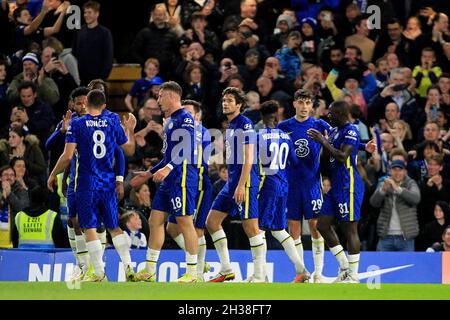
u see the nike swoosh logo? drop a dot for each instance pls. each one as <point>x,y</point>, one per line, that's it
<point>366,275</point>
<point>290,132</point>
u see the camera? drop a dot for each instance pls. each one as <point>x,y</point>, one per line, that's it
<point>400,87</point>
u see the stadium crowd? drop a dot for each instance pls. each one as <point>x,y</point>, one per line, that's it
<point>396,79</point>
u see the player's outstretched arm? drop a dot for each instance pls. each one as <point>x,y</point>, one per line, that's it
<point>340,155</point>
<point>63,162</point>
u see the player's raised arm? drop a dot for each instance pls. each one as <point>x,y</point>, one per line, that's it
<point>129,147</point>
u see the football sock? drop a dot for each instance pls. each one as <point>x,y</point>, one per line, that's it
<point>95,253</point>
<point>191,262</point>
<point>221,243</point>
<point>82,252</point>
<point>257,246</point>
<point>179,239</point>
<point>299,247</point>
<point>123,249</point>
<point>339,253</point>
<point>263,233</point>
<point>201,255</point>
<point>102,237</point>
<point>152,259</point>
<point>318,248</point>
<point>353,262</point>
<point>288,244</point>
<point>73,242</point>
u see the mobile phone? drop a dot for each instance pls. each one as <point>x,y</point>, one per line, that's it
<point>433,111</point>
<point>327,17</point>
<point>157,118</point>
<point>400,87</point>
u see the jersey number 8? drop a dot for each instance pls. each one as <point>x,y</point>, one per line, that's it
<point>99,148</point>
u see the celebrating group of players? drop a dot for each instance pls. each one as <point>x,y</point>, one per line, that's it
<point>273,183</point>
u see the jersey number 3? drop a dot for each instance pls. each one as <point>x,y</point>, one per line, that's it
<point>99,148</point>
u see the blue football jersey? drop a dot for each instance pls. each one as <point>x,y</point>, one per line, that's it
<point>240,133</point>
<point>345,175</point>
<point>306,149</point>
<point>180,149</point>
<point>96,138</point>
<point>276,153</point>
<point>203,142</point>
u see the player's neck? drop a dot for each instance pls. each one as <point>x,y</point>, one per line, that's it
<point>173,110</point>
<point>300,118</point>
<point>232,116</point>
<point>95,113</point>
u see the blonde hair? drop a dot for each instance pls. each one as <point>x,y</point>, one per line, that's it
<point>408,132</point>
<point>153,61</point>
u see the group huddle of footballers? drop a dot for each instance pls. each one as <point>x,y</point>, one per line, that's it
<point>274,182</point>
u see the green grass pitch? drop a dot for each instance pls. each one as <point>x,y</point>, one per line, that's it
<point>221,291</point>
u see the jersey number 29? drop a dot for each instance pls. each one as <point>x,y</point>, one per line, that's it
<point>99,148</point>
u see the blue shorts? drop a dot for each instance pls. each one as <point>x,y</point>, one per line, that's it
<point>343,204</point>
<point>204,201</point>
<point>94,207</point>
<point>304,201</point>
<point>272,209</point>
<point>224,202</point>
<point>175,200</point>
<point>71,204</point>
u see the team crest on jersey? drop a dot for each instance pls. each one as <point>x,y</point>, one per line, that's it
<point>248,126</point>
<point>170,126</point>
<point>302,150</point>
<point>352,133</point>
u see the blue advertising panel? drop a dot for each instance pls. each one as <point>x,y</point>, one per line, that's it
<point>386,267</point>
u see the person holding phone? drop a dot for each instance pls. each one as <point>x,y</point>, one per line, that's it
<point>427,73</point>
<point>396,91</point>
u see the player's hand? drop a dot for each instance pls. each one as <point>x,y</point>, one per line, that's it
<point>119,190</point>
<point>239,194</point>
<point>161,174</point>
<point>51,182</point>
<point>371,146</point>
<point>66,120</point>
<point>130,122</point>
<point>316,136</point>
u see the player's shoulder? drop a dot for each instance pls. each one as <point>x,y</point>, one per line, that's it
<point>244,123</point>
<point>283,125</point>
<point>350,131</point>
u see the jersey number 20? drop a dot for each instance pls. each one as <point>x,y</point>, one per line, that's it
<point>279,155</point>
<point>99,148</point>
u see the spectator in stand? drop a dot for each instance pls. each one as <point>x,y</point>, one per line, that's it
<point>200,33</point>
<point>252,112</point>
<point>382,73</point>
<point>398,197</point>
<point>157,40</point>
<point>26,147</point>
<point>433,188</point>
<point>223,178</point>
<point>20,169</point>
<point>38,117</point>
<point>227,69</point>
<point>402,135</point>
<point>417,167</point>
<point>57,70</point>
<point>429,112</point>
<point>333,59</point>
<point>13,199</point>
<point>173,9</point>
<point>290,56</point>
<point>279,38</point>
<point>391,114</point>
<point>251,70</point>
<point>93,46</point>
<point>140,200</point>
<point>141,87</point>
<point>65,56</point>
<point>432,232</point>
<point>393,41</point>
<point>444,86</point>
<point>209,9</point>
<point>5,110</point>
<point>355,118</point>
<point>46,88</point>
<point>310,42</point>
<point>427,73</point>
<point>133,224</point>
<point>445,245</point>
<point>149,129</point>
<point>361,39</point>
<point>267,91</point>
<point>398,93</point>
<point>29,30</point>
<point>58,12</point>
